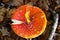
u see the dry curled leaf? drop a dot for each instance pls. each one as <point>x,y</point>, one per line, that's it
<point>43,4</point>
<point>1,18</point>
<point>3,9</point>
<point>4,1</point>
<point>56,7</point>
<point>17,2</point>
<point>2,13</point>
<point>10,12</point>
<point>59,28</point>
<point>4,31</point>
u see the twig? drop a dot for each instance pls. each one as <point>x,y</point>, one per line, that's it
<point>54,28</point>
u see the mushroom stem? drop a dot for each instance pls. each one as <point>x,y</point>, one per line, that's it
<point>29,39</point>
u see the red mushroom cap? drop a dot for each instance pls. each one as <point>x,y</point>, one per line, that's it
<point>30,21</point>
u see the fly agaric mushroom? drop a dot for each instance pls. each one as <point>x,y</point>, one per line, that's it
<point>28,21</point>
